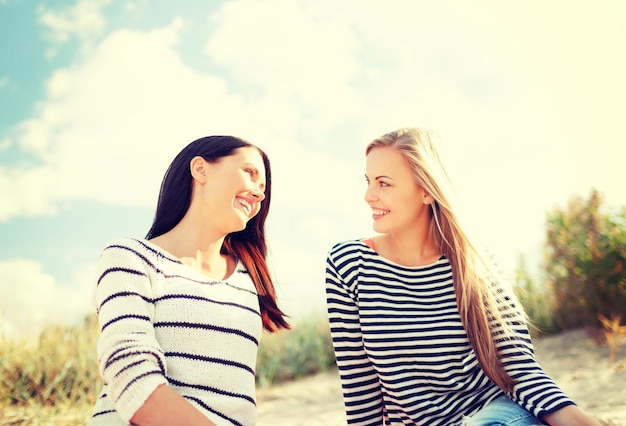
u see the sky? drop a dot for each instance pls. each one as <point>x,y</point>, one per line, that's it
<point>98,96</point>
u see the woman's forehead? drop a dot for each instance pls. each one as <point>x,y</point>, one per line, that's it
<point>249,154</point>
<point>386,159</point>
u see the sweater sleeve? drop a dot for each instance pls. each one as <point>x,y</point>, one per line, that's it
<point>130,360</point>
<point>359,381</point>
<point>534,389</point>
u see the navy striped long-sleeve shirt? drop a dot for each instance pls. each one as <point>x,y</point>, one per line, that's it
<point>163,322</point>
<point>402,352</point>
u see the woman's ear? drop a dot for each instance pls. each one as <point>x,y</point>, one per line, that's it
<point>427,199</point>
<point>198,168</point>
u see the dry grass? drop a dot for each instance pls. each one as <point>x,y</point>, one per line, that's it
<point>54,380</point>
<point>38,415</point>
<point>614,334</point>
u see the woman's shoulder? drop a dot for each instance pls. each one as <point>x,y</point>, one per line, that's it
<point>126,245</point>
<point>348,247</point>
<point>137,244</point>
<point>358,242</point>
<point>135,248</point>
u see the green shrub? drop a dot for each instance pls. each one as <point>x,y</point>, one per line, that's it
<point>306,349</point>
<point>585,264</point>
<point>537,301</point>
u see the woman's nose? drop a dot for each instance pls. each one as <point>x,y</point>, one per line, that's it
<point>369,195</point>
<point>258,195</point>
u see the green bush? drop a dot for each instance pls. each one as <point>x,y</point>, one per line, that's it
<point>585,263</point>
<point>537,301</point>
<point>583,274</point>
<point>306,349</point>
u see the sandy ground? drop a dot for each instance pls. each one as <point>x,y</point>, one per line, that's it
<point>572,359</point>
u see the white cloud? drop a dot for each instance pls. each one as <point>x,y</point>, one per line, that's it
<point>22,190</point>
<point>305,179</point>
<point>83,21</point>
<point>290,51</point>
<point>109,126</point>
<point>32,299</point>
<point>529,106</point>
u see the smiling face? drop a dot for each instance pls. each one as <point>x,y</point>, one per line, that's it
<point>232,188</point>
<point>398,203</point>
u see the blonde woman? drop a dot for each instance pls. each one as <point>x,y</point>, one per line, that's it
<point>424,330</point>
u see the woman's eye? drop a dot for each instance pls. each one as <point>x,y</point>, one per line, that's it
<point>380,183</point>
<point>249,171</point>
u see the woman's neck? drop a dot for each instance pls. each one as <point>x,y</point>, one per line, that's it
<point>407,248</point>
<point>200,251</point>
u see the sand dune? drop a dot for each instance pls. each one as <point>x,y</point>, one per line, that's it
<point>577,363</point>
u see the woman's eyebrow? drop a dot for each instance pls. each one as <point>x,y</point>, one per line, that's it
<point>379,177</point>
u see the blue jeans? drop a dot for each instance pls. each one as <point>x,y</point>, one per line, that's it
<point>502,412</point>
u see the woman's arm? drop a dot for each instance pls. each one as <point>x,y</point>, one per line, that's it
<point>569,416</point>
<point>361,391</point>
<point>532,380</point>
<point>130,359</point>
<point>166,407</point>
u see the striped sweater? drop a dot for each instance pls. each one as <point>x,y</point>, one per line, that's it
<point>402,352</point>
<point>162,321</point>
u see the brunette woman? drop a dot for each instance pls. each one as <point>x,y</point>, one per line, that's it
<point>181,311</point>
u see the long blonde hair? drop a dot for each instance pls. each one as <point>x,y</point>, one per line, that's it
<point>473,276</point>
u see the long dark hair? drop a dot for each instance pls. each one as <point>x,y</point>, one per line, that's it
<point>248,245</point>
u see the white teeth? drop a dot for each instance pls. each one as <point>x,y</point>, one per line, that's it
<point>246,205</point>
<point>378,212</point>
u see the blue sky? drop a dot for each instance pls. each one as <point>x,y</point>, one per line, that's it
<point>97,96</point>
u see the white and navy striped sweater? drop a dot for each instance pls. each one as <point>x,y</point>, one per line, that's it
<point>402,352</point>
<point>163,322</point>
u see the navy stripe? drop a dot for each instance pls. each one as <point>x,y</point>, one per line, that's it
<point>185,324</point>
<point>129,366</point>
<point>131,352</point>
<point>118,269</point>
<point>123,317</point>
<point>212,410</point>
<point>124,294</point>
<point>139,377</point>
<point>102,413</point>
<point>206,299</point>
<point>212,389</point>
<point>133,251</point>
<point>159,253</point>
<point>216,360</point>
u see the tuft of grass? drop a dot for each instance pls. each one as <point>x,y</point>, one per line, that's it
<point>40,415</point>
<point>54,380</point>
<point>614,333</point>
<point>287,355</point>
<point>58,368</point>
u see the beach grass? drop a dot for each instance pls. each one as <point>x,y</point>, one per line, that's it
<point>306,349</point>
<point>54,380</point>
